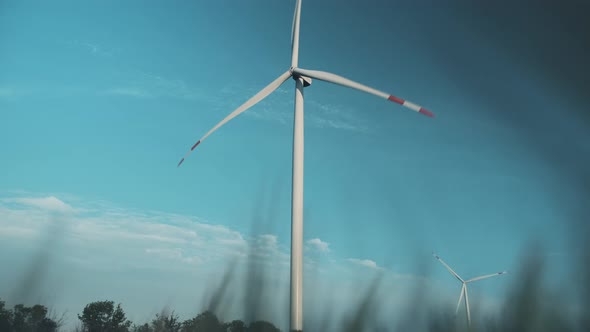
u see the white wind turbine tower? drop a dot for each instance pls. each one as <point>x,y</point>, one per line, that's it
<point>464,287</point>
<point>303,78</point>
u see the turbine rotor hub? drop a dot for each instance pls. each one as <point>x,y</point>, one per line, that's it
<point>306,80</point>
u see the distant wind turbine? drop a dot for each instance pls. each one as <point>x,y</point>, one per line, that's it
<point>464,287</point>
<point>303,78</point>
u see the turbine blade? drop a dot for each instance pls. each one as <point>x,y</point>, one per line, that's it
<point>295,34</point>
<point>293,26</point>
<point>448,267</point>
<point>460,298</point>
<point>251,102</point>
<point>467,307</point>
<point>486,276</point>
<point>333,78</point>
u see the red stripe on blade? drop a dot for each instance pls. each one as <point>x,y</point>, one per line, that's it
<point>180,163</point>
<point>396,99</point>
<point>194,146</point>
<point>426,112</point>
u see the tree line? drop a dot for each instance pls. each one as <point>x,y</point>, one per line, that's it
<point>104,316</point>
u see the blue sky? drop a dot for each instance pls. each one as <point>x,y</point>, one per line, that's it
<point>100,100</point>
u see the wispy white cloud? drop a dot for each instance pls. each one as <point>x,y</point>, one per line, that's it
<point>91,47</point>
<point>169,237</point>
<point>16,232</point>
<point>267,240</point>
<point>177,238</point>
<point>130,92</point>
<point>173,254</point>
<point>181,239</point>
<point>336,117</point>
<point>319,245</point>
<point>365,262</point>
<point>268,113</point>
<point>50,203</point>
<point>147,85</point>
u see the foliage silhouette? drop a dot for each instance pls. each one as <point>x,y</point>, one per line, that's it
<point>26,319</point>
<point>102,316</point>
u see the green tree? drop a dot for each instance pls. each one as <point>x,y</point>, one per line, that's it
<point>204,322</point>
<point>262,326</point>
<point>165,322</point>
<point>102,316</point>
<point>26,319</point>
<point>141,328</point>
<point>20,313</point>
<point>5,317</point>
<point>235,326</point>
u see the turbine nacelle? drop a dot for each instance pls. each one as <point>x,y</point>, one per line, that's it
<point>306,80</point>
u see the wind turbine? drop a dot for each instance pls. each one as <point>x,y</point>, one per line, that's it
<point>464,286</point>
<point>303,78</point>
